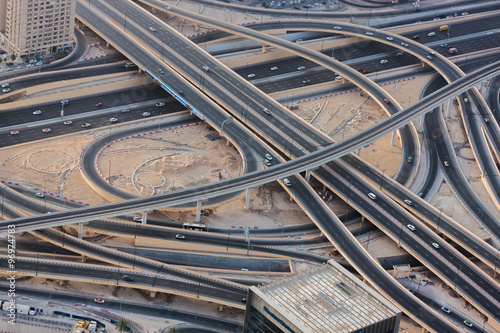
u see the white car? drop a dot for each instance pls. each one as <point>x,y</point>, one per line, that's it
<point>146,114</point>
<point>435,245</point>
<point>40,195</point>
<point>301,68</point>
<point>269,157</point>
<point>160,104</point>
<point>179,236</point>
<point>274,68</point>
<point>113,120</point>
<point>85,125</point>
<point>14,132</point>
<point>384,61</point>
<point>37,112</point>
<point>39,63</point>
<point>5,85</point>
<point>152,29</point>
<point>46,130</point>
<point>389,38</point>
<point>337,28</point>
<point>411,227</point>
<point>99,300</point>
<point>137,219</point>
<point>287,182</point>
<point>251,75</point>
<point>369,33</point>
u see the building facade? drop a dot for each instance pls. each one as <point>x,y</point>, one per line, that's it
<point>37,28</point>
<point>326,299</point>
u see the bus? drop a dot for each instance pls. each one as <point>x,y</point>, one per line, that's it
<point>194,226</point>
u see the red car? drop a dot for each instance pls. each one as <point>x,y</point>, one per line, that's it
<point>359,69</point>
<point>98,104</point>
<point>366,71</point>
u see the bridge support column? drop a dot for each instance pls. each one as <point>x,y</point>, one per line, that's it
<point>448,110</point>
<point>107,44</point>
<point>144,217</point>
<point>359,152</point>
<point>80,230</point>
<point>152,294</point>
<point>247,199</point>
<point>263,48</point>
<point>393,138</point>
<point>84,259</point>
<point>198,211</point>
<point>424,330</point>
<point>362,218</point>
<point>308,175</point>
<point>422,124</point>
<point>495,274</point>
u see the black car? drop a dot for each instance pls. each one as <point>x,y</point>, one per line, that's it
<point>127,278</point>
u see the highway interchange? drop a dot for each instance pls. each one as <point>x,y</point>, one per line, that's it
<point>309,142</point>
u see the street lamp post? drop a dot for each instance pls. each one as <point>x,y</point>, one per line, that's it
<point>228,234</point>
<point>222,126</point>
<point>62,102</point>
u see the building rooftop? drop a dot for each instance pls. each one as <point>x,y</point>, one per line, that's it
<point>328,299</point>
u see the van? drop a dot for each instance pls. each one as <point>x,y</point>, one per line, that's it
<point>206,69</point>
<point>130,65</point>
<point>372,196</point>
<point>443,28</point>
<point>408,202</point>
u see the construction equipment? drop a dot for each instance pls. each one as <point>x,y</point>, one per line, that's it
<point>208,211</point>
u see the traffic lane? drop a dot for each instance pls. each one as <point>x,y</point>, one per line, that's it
<point>117,274</point>
<point>159,310</point>
<point>425,252</point>
<point>52,199</point>
<point>85,104</point>
<point>35,133</point>
<point>123,258</point>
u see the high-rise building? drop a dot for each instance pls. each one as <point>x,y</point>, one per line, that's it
<point>326,299</point>
<point>36,28</point>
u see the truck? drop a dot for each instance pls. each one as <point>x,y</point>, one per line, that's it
<point>452,50</point>
<point>443,28</point>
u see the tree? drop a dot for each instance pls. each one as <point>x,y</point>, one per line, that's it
<point>13,56</point>
<point>121,325</point>
<point>173,330</point>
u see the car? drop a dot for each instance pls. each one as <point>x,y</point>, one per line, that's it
<point>68,122</point>
<point>389,38</point>
<point>295,7</point>
<point>386,101</point>
<point>306,81</point>
<point>37,112</point>
<point>161,71</point>
<point>65,102</point>
<point>369,33</point>
<point>244,300</point>
<point>153,29</point>
<point>384,61</point>
<point>99,300</point>
<point>399,54</point>
<point>127,278</point>
<point>416,37</point>
<point>39,195</point>
<point>430,57</point>
<point>113,120</point>
<point>359,69</point>
<point>182,93</point>
<point>46,130</point>
<point>179,236</point>
<point>445,309</point>
<point>366,71</point>
<point>266,111</point>
<point>468,323</point>
<point>486,120</point>
<point>98,105</point>
<point>287,182</point>
<point>444,44</point>
<point>446,163</point>
<point>5,85</point>
<point>160,104</point>
<point>39,63</point>
<point>251,75</point>
<point>404,44</point>
<point>337,28</point>
<point>126,111</point>
<point>435,245</point>
<point>85,125</point>
<point>301,68</point>
<point>411,227</point>
<point>269,157</point>
<point>408,202</point>
<point>337,78</point>
<point>267,162</point>
<point>466,100</point>
<point>137,219</point>
<point>5,90</point>
<point>431,34</point>
<point>47,62</point>
<point>274,68</point>
<point>465,13</point>
<point>168,8</point>
<point>146,114</point>
<point>14,132</point>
